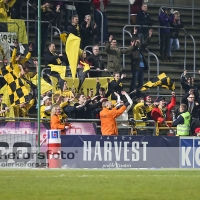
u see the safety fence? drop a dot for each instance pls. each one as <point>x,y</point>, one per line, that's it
<point>99,152</point>
<point>126,127</point>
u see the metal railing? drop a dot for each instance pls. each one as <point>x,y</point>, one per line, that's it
<point>101,25</point>
<point>171,4</point>
<point>149,54</point>
<point>186,34</point>
<point>182,8</point>
<point>61,47</point>
<point>27,14</point>
<point>91,70</point>
<point>131,123</point>
<point>46,22</point>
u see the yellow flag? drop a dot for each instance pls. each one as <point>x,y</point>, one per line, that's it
<point>45,87</point>
<point>86,66</point>
<point>60,69</point>
<point>63,37</point>
<point>72,49</point>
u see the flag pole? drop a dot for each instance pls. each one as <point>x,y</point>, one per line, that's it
<point>39,73</point>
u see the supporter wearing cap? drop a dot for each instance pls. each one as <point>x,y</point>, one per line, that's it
<point>197,132</point>
<point>46,106</point>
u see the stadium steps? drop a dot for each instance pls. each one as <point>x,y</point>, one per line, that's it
<point>118,18</point>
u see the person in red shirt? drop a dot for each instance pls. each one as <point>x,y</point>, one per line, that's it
<point>162,112</point>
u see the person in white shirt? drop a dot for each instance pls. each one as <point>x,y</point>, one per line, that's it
<point>124,115</point>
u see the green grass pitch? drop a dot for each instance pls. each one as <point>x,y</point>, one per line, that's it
<point>99,184</point>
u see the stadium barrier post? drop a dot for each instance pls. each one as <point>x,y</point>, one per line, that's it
<point>54,149</point>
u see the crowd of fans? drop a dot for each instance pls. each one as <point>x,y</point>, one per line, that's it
<point>113,102</point>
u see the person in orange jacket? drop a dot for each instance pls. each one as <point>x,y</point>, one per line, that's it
<point>59,120</point>
<point>108,116</point>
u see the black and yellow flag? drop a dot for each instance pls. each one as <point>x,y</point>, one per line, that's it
<point>162,80</point>
<point>168,84</point>
<point>83,75</point>
<point>17,92</point>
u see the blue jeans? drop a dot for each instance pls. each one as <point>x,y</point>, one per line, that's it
<point>174,45</point>
<point>137,76</point>
<point>97,19</point>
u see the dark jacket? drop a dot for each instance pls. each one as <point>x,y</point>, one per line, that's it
<point>116,86</point>
<point>165,20</point>
<point>196,108</point>
<point>46,16</point>
<point>96,61</point>
<point>143,18</point>
<point>177,24</point>
<point>52,59</point>
<point>135,56</point>
<point>187,87</point>
<point>76,30</point>
<point>87,34</point>
<point>86,111</point>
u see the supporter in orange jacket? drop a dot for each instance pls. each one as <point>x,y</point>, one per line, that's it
<point>108,116</point>
<point>59,120</point>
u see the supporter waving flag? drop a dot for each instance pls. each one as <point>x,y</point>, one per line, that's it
<point>17,92</point>
<point>83,75</point>
<point>73,51</point>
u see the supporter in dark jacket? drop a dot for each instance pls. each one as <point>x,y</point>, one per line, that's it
<point>164,20</point>
<point>138,63</point>
<point>192,105</point>
<point>188,84</point>
<point>143,18</point>
<point>116,85</point>
<point>51,57</point>
<point>85,107</point>
<point>74,27</point>
<point>96,60</point>
<point>88,32</point>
